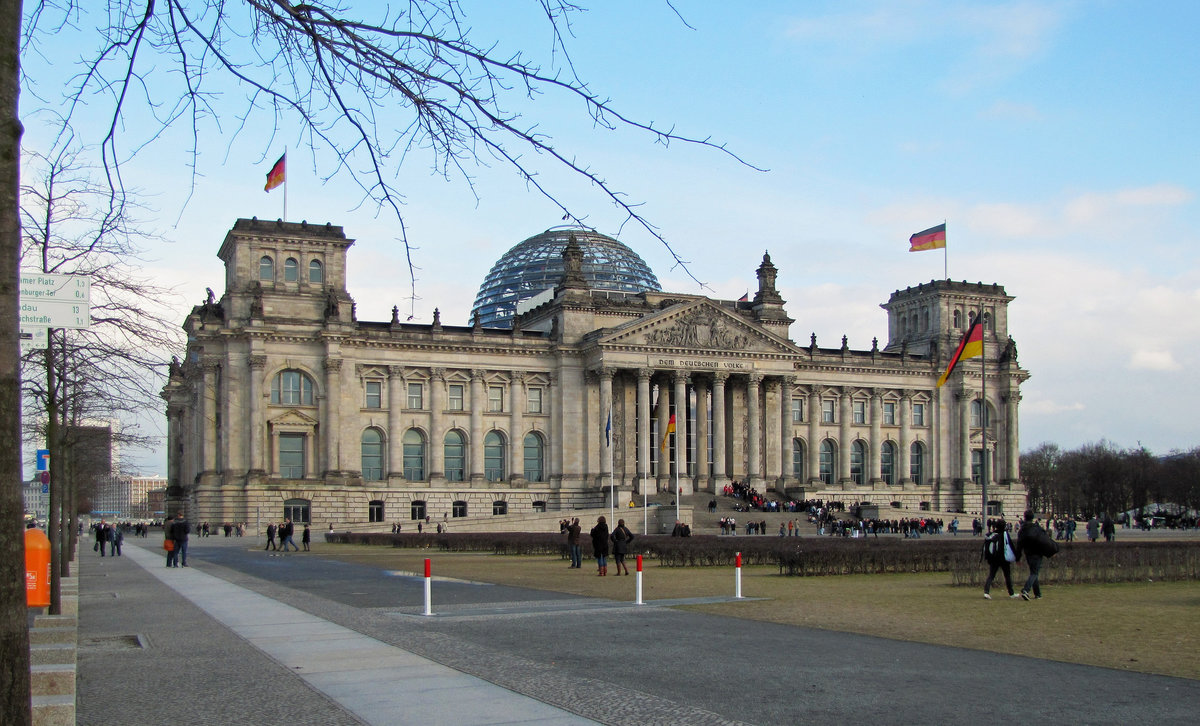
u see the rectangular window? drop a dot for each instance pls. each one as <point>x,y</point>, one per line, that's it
<point>827,411</point>
<point>535,400</point>
<point>495,399</point>
<point>291,456</point>
<point>416,397</point>
<point>918,414</point>
<point>374,394</point>
<point>860,412</point>
<point>375,511</point>
<point>889,414</point>
<point>797,410</point>
<point>455,397</point>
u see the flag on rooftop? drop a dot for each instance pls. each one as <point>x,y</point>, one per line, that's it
<point>931,239</point>
<point>278,173</point>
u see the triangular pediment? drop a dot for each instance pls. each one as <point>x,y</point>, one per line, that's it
<point>697,325</point>
<point>292,417</point>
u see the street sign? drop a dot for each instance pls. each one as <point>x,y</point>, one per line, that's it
<point>34,339</point>
<point>55,314</point>
<point>43,459</point>
<point>63,288</point>
<point>55,301</point>
<point>45,478</point>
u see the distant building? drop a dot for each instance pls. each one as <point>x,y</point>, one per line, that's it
<point>36,496</point>
<point>288,405</point>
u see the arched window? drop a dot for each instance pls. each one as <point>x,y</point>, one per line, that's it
<point>978,415</point>
<point>414,455</point>
<point>455,454</point>
<point>916,463</point>
<point>493,456</point>
<point>316,273</point>
<point>292,388</point>
<point>458,508</point>
<point>958,318</point>
<point>266,269</point>
<point>828,460</point>
<point>297,510</point>
<point>858,457</point>
<point>291,270</point>
<point>533,457</point>
<point>375,510</point>
<point>887,462</point>
<point>798,458</point>
<point>372,455</point>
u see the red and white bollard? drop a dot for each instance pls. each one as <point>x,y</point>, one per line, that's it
<point>737,586</point>
<point>428,588</point>
<point>639,580</point>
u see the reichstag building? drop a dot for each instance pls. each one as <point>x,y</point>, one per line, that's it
<point>576,377</point>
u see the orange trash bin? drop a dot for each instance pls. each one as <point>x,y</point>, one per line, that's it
<point>37,568</point>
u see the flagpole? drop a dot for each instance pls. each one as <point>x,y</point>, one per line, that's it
<point>285,176</point>
<point>946,257</point>
<point>983,414</point>
<point>612,487</point>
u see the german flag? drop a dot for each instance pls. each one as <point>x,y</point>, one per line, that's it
<point>670,430</point>
<point>278,173</point>
<point>933,238</point>
<point>971,346</point>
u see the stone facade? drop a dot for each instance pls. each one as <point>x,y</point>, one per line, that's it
<point>287,405</point>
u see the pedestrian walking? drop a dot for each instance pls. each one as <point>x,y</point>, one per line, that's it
<point>117,538</point>
<point>179,533</point>
<point>286,531</point>
<point>600,545</point>
<point>999,553</point>
<point>1034,544</point>
<point>306,537</point>
<point>270,537</point>
<point>621,537</point>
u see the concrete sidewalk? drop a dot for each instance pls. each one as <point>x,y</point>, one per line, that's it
<point>156,641</point>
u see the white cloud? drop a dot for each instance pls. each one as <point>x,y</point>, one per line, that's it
<point>1047,407</point>
<point>1153,360</point>
<point>1012,111</point>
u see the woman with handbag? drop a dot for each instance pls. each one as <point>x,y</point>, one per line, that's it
<point>999,553</point>
<point>621,537</point>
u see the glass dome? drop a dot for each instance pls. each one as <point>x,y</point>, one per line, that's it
<point>536,264</point>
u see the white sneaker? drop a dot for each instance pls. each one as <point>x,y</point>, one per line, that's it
<point>987,596</point>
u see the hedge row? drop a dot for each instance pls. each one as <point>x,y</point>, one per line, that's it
<point>1076,562</point>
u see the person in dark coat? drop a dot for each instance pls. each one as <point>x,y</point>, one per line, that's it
<point>1028,545</point>
<point>306,537</point>
<point>621,537</point>
<point>573,533</point>
<point>600,545</point>
<point>179,533</point>
<point>997,549</point>
<point>270,537</point>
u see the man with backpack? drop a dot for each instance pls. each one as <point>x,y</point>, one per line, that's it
<point>1034,544</point>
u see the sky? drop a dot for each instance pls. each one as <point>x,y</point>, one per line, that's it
<point>1055,139</point>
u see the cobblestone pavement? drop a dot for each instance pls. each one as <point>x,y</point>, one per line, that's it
<point>610,662</point>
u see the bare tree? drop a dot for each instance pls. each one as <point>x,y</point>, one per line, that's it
<point>370,94</point>
<point>112,370</point>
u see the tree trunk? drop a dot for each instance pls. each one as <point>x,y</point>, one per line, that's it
<point>15,708</point>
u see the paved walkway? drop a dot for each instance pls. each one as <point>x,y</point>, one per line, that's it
<point>369,681</point>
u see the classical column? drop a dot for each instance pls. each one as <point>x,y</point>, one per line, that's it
<point>720,472</point>
<point>785,432</point>
<point>703,478</point>
<point>437,425</point>
<point>232,451</point>
<point>681,433</point>
<point>516,425</point>
<point>554,445</point>
<point>256,427</point>
<point>754,457</point>
<point>331,421</point>
<point>772,464</point>
<point>395,452</point>
<point>208,401</point>
<point>643,426</point>
<point>847,439</point>
<point>606,389</point>
<point>904,474</point>
<point>964,434</point>
<point>1012,454</point>
<point>663,413</point>
<point>478,402</point>
<point>875,456</point>
<point>813,462</point>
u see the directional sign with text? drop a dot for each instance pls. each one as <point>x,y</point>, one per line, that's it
<point>34,339</point>
<point>55,301</point>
